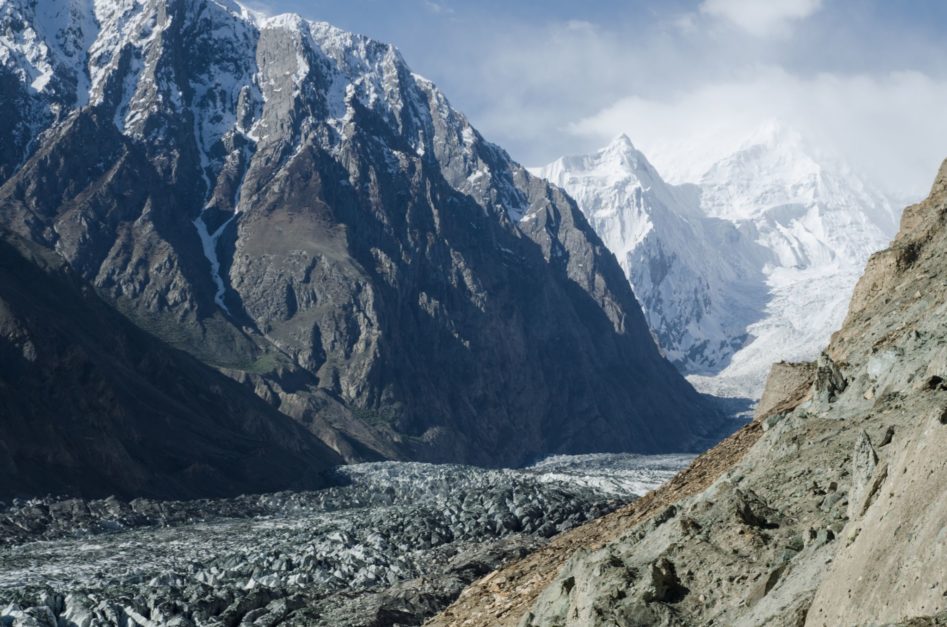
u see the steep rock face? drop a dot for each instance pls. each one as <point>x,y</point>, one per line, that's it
<point>697,304</point>
<point>893,566</point>
<point>788,385</point>
<point>833,517</point>
<point>91,405</point>
<point>288,202</point>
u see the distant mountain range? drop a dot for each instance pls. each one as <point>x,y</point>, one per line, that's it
<point>752,263</point>
<point>287,204</point>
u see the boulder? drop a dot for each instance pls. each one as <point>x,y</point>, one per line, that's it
<point>789,384</point>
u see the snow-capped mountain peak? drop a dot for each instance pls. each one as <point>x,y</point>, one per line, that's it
<point>697,308</point>
<point>622,148</point>
<point>620,192</point>
<point>153,63</point>
<point>752,264</point>
<point>611,184</point>
<point>810,207</point>
<point>618,161</point>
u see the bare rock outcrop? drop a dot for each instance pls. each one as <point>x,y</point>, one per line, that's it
<point>788,385</point>
<point>864,463</point>
<point>893,565</point>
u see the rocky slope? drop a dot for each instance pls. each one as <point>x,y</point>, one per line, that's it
<point>90,404</point>
<point>289,203</point>
<point>833,517</point>
<point>751,262</point>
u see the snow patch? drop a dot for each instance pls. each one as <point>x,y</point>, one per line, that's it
<point>209,246</point>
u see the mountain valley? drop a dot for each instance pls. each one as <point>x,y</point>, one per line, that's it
<point>827,510</point>
<point>285,340</point>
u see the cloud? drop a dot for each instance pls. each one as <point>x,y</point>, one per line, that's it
<point>761,17</point>
<point>686,23</point>
<point>523,85</point>
<point>681,76</point>
<point>259,7</point>
<point>889,127</point>
<point>438,8</point>
<point>581,26</point>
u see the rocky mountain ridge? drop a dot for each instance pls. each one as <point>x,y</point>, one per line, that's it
<point>291,205</point>
<point>831,515</point>
<point>91,404</point>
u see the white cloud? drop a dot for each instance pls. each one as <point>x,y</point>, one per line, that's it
<point>437,7</point>
<point>889,127</point>
<point>542,88</point>
<point>259,7</point>
<point>761,17</point>
<point>581,25</point>
<point>686,23</point>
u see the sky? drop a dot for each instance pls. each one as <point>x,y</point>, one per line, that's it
<point>686,80</point>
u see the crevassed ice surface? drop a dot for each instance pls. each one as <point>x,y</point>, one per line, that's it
<point>331,550</point>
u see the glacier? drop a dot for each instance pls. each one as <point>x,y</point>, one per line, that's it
<point>393,539</point>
